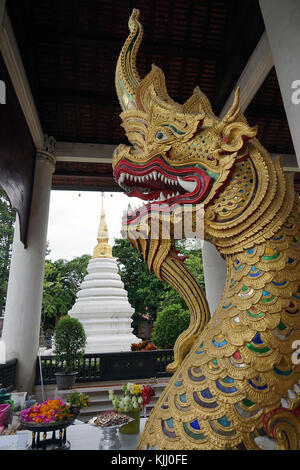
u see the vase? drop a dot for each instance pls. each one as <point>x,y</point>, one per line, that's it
<point>134,426</point>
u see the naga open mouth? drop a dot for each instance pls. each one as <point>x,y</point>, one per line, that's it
<point>158,182</point>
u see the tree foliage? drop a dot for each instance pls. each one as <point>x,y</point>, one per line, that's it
<point>170,323</point>
<point>173,315</point>
<point>146,293</point>
<point>7,222</point>
<point>69,341</point>
<point>62,280</point>
<point>144,290</point>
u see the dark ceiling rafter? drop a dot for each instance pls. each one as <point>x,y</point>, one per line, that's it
<point>70,48</point>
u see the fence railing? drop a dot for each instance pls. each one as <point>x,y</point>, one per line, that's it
<point>110,366</point>
<point>8,375</point>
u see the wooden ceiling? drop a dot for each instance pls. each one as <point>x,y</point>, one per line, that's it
<point>70,49</point>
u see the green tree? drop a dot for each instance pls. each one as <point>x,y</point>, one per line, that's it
<point>62,280</point>
<point>195,264</point>
<point>69,341</point>
<point>7,222</point>
<point>170,323</point>
<point>145,291</point>
<point>173,315</point>
<point>194,260</point>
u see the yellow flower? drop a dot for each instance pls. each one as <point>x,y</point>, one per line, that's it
<point>136,390</point>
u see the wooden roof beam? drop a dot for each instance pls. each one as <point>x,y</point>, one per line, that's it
<point>14,65</point>
<point>253,75</point>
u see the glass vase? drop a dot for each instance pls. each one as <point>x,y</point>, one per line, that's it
<point>134,426</point>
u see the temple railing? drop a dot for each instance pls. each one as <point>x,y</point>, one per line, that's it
<point>8,375</point>
<point>101,367</point>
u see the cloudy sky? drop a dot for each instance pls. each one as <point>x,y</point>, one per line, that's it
<point>74,220</point>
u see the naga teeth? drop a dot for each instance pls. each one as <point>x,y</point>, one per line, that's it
<point>189,186</point>
<point>296,388</point>
<point>153,176</point>
<point>291,395</point>
<point>285,403</point>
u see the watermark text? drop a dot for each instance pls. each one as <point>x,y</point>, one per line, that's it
<point>296,94</point>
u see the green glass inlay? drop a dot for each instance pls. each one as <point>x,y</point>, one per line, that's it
<point>257,350</point>
<point>281,326</point>
<point>254,315</point>
<point>211,174</point>
<point>215,362</point>
<point>224,421</point>
<point>268,258</point>
<point>268,300</point>
<point>244,288</point>
<point>247,402</point>
<point>192,434</point>
<point>173,128</point>
<point>282,372</point>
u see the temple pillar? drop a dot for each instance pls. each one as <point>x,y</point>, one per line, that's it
<point>22,317</point>
<point>282,20</point>
<point>214,269</point>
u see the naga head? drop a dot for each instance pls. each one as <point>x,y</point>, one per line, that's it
<point>180,153</point>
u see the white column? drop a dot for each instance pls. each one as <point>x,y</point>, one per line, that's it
<point>214,269</point>
<point>282,20</point>
<point>25,286</point>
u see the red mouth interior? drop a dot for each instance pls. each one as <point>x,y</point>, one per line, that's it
<point>160,183</point>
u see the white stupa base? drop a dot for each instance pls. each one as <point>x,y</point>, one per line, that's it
<point>121,343</point>
<point>103,309</point>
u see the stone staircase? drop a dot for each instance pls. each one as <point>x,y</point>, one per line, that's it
<point>98,396</point>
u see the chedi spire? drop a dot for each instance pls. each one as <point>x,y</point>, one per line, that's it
<point>103,248</point>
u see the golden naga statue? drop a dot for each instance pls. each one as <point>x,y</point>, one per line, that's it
<point>235,375</point>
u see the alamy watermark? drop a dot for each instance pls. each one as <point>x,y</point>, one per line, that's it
<point>296,94</point>
<point>186,221</point>
<point>2,92</point>
<point>296,354</point>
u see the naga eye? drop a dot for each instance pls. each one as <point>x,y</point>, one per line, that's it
<point>160,135</point>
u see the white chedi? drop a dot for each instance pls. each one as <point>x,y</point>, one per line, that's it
<point>101,303</point>
<point>103,309</point>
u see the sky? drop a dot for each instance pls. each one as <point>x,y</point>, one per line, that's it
<point>74,219</point>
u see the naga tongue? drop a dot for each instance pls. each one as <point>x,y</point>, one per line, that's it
<point>189,186</point>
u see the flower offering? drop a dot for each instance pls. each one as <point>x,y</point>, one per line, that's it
<point>47,412</point>
<point>135,397</point>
